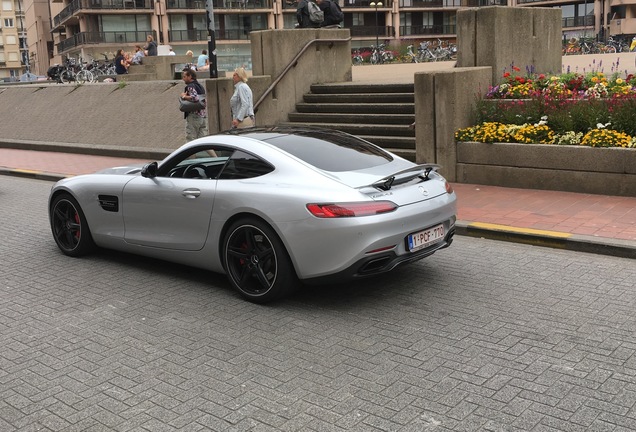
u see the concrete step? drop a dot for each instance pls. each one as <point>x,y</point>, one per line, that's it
<point>406,154</point>
<point>375,98</point>
<point>364,129</point>
<point>362,118</point>
<point>388,108</point>
<point>391,142</point>
<point>341,88</point>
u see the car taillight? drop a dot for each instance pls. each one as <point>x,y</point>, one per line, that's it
<point>352,209</point>
<point>449,188</point>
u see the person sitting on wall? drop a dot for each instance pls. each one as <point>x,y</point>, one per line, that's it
<point>138,56</point>
<point>203,62</point>
<point>332,11</point>
<point>121,65</point>
<point>151,46</point>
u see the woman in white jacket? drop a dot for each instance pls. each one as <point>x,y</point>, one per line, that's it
<point>242,102</point>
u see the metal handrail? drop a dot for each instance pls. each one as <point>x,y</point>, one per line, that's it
<point>292,64</point>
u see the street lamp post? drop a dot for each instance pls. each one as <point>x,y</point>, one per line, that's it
<point>209,11</point>
<point>377,29</point>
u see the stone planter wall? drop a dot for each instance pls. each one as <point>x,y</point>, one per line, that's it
<point>607,171</point>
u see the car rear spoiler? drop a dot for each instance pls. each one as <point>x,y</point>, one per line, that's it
<point>386,182</point>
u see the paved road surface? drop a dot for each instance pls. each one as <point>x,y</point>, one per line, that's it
<point>483,336</point>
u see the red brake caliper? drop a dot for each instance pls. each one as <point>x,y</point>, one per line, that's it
<point>77,221</point>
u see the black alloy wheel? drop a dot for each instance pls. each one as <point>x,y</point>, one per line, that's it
<point>69,227</point>
<point>256,261</point>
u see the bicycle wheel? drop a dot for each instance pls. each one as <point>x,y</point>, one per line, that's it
<point>83,76</point>
<point>611,49</point>
<point>66,76</point>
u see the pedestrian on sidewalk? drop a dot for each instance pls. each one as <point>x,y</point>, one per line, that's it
<point>241,102</point>
<point>196,121</point>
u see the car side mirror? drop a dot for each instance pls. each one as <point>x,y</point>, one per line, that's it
<point>149,170</point>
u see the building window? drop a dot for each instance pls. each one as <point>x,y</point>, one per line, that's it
<point>11,40</point>
<point>290,21</point>
<point>13,56</point>
<point>357,19</point>
<point>7,5</point>
<point>125,23</point>
<point>8,22</point>
<point>2,57</point>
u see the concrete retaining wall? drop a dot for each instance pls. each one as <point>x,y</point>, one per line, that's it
<point>123,119</point>
<point>609,171</point>
<point>498,36</point>
<point>444,102</point>
<point>143,118</point>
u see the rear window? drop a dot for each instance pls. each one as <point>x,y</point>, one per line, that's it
<point>329,151</point>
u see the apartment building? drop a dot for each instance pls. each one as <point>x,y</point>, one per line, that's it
<point>95,28</point>
<point>13,40</point>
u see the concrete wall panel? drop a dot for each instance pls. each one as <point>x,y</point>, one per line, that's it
<point>528,38</point>
<point>444,102</point>
<point>588,159</point>
<point>135,115</point>
<point>546,179</point>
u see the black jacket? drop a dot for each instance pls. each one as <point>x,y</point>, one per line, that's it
<point>302,14</point>
<point>331,11</point>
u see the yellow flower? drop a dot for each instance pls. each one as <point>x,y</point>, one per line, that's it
<point>619,81</point>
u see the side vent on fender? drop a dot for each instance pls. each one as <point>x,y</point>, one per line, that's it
<point>109,202</point>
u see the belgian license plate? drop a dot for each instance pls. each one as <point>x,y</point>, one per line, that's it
<point>425,238</point>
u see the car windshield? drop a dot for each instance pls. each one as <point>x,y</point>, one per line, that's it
<point>329,151</point>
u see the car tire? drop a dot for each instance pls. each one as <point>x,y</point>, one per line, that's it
<point>69,226</point>
<point>256,261</point>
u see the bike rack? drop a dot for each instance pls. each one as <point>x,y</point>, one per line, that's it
<point>292,64</point>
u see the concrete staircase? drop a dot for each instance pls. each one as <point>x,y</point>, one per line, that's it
<point>379,113</point>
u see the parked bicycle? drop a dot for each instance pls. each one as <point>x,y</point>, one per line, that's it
<point>425,53</point>
<point>380,55</point>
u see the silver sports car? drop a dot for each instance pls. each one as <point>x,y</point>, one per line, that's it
<point>269,207</point>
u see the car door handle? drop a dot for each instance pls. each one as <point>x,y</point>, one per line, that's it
<point>191,193</point>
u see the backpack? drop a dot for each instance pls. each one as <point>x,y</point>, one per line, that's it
<point>316,16</point>
<point>336,12</point>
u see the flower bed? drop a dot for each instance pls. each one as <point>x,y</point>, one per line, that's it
<point>589,109</point>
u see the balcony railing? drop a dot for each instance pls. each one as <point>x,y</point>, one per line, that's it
<point>195,35</point>
<point>427,30</point>
<point>450,3</point>
<point>345,4</point>
<point>220,4</point>
<point>76,5</point>
<point>86,38</point>
<point>537,1</point>
<point>372,31</point>
<point>583,21</point>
